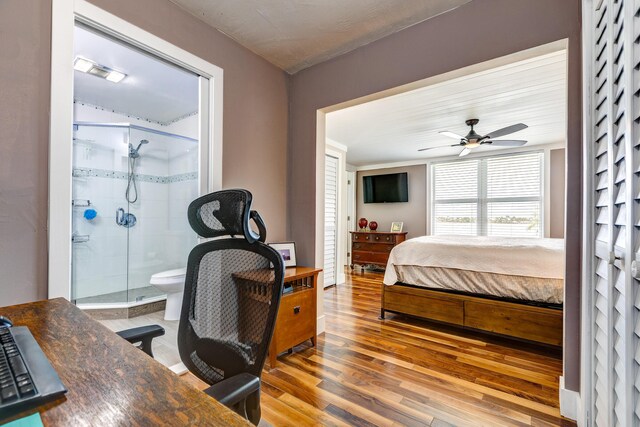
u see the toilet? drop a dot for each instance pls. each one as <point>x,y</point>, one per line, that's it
<point>171,282</point>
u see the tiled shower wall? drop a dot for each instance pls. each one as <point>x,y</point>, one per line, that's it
<point>116,258</point>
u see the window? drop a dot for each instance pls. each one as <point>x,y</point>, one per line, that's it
<point>493,196</point>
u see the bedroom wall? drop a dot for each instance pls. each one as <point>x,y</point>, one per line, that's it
<point>254,135</point>
<point>434,47</point>
<point>556,197</point>
<point>413,213</point>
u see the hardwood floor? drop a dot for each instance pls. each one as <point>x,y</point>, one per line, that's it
<point>402,371</point>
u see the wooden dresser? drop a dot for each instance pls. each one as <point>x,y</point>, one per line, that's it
<point>373,247</point>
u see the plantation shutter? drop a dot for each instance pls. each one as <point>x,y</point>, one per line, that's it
<point>330,219</point>
<point>632,78</point>
<point>614,165</point>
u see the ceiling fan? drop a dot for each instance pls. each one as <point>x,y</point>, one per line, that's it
<point>473,140</point>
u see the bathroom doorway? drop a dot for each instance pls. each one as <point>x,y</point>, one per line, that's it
<point>135,169</point>
<point>135,135</point>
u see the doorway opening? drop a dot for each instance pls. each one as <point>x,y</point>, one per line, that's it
<point>136,134</point>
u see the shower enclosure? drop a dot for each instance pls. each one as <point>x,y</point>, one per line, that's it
<point>131,189</point>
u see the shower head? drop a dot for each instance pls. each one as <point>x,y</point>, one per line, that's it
<point>133,152</point>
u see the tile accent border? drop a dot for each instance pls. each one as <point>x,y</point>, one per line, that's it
<point>140,177</point>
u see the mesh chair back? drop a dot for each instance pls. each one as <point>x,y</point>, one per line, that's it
<point>225,213</point>
<point>231,294</point>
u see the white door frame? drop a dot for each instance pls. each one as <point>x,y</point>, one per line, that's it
<point>65,13</point>
<point>351,177</point>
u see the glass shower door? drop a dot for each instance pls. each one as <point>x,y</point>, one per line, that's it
<point>99,245</point>
<point>163,183</point>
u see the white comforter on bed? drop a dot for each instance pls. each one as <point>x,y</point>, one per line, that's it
<point>501,255</point>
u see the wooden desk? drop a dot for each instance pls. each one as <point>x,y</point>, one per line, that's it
<point>110,382</point>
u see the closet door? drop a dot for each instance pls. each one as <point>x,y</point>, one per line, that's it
<point>613,165</point>
<point>330,220</point>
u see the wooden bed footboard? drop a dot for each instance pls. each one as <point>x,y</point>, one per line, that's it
<point>532,323</point>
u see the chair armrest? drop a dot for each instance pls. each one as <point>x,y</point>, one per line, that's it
<point>234,389</point>
<point>144,335</point>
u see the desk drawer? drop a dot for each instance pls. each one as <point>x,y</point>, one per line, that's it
<point>296,320</point>
<point>372,247</point>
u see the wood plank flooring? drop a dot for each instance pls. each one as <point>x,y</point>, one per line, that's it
<point>402,371</point>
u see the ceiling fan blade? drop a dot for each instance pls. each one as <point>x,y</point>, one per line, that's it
<point>506,131</point>
<point>451,134</point>
<point>440,146</point>
<point>507,142</point>
<point>464,152</point>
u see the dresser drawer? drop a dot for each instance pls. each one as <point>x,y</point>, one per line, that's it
<point>370,257</point>
<point>373,237</point>
<point>296,320</point>
<point>372,247</point>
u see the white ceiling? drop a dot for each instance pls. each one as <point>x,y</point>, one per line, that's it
<point>392,129</point>
<point>153,89</point>
<point>295,35</point>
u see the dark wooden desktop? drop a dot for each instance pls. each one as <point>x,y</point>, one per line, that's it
<point>110,382</point>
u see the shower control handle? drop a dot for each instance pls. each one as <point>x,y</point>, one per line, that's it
<point>120,217</point>
<point>126,220</point>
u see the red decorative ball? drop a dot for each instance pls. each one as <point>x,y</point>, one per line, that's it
<point>373,225</point>
<point>362,222</point>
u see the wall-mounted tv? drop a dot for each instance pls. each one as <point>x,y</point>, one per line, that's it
<point>389,188</point>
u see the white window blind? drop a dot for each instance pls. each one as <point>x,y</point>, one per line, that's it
<point>493,196</point>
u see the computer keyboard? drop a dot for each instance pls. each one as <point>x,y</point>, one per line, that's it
<point>27,378</point>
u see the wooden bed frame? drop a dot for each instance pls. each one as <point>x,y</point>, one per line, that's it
<point>519,320</point>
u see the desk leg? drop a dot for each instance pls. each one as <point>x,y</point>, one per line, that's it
<point>314,339</point>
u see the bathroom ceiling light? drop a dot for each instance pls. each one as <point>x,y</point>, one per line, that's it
<point>115,76</point>
<point>82,64</point>
<point>86,66</point>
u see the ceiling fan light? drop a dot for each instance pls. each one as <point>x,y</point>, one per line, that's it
<point>473,144</point>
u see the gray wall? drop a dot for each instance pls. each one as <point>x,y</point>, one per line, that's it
<point>25,38</point>
<point>413,213</point>
<point>557,196</point>
<point>254,134</point>
<point>431,48</point>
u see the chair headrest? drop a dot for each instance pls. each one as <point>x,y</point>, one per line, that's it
<point>226,213</point>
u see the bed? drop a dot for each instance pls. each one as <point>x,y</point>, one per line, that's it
<point>508,286</point>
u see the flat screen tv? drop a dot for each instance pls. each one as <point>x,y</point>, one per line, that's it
<point>389,188</point>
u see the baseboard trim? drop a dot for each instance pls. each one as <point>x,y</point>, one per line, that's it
<point>569,402</point>
<point>320,325</point>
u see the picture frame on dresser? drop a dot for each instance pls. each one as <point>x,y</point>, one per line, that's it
<point>396,227</point>
<point>288,252</point>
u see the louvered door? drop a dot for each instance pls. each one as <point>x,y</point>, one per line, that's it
<point>614,167</point>
<point>330,220</point>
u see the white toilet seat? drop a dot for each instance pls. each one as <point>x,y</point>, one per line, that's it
<point>171,282</point>
<point>169,277</point>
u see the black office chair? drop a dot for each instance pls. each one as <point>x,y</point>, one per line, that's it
<point>231,299</point>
